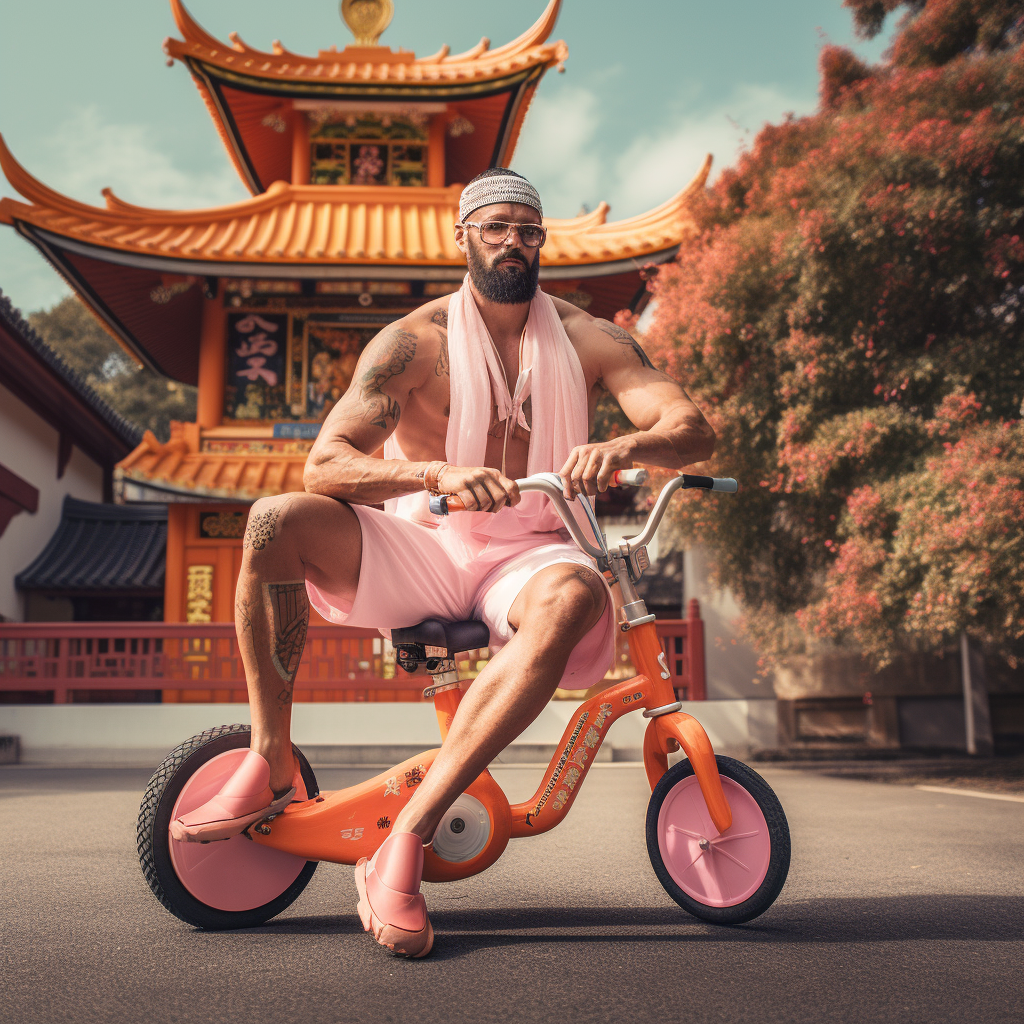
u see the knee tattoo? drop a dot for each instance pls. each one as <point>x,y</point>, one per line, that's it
<point>261,528</point>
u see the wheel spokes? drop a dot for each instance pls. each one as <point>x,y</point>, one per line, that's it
<point>739,835</point>
<point>685,832</point>
<point>729,856</point>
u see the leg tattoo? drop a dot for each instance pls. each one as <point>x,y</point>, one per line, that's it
<point>243,622</point>
<point>259,530</point>
<point>289,610</point>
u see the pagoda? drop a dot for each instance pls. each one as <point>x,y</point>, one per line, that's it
<point>355,158</point>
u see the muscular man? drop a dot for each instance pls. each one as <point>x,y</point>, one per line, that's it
<point>467,393</point>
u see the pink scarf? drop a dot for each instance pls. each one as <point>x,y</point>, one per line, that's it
<point>551,373</point>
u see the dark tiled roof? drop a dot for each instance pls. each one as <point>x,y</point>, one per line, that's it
<point>102,548</point>
<point>130,433</point>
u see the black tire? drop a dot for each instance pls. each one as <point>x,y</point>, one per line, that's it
<point>778,832</point>
<point>155,818</point>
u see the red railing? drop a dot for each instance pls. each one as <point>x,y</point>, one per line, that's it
<point>76,661</point>
<point>683,643</point>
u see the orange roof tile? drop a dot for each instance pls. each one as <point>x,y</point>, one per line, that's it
<point>359,65</point>
<point>173,468</point>
<point>327,225</point>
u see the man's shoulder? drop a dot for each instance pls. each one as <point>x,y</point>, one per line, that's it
<point>420,338</point>
<point>428,318</point>
<point>578,323</point>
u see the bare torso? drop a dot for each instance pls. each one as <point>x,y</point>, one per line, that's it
<point>422,430</point>
<point>402,387</point>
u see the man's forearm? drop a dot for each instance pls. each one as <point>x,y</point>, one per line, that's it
<point>361,479</point>
<point>672,443</point>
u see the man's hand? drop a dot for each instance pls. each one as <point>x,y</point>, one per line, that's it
<point>480,489</point>
<point>589,467</point>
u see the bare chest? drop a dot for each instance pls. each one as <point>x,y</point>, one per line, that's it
<point>423,428</point>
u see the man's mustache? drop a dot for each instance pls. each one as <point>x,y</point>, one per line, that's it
<point>511,254</point>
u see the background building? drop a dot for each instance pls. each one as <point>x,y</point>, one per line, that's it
<point>61,442</point>
<point>355,158</point>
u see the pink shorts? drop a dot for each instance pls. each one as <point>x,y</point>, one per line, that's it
<point>409,572</point>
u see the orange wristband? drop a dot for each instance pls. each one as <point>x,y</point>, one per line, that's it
<point>432,475</point>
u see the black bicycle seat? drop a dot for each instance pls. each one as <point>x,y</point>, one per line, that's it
<point>452,637</point>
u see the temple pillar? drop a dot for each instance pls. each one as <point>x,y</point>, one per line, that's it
<point>435,152</point>
<point>300,148</point>
<point>174,579</point>
<point>212,359</point>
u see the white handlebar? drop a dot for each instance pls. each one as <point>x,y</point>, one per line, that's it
<point>551,485</point>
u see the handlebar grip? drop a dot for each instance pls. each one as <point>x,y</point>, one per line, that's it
<point>711,483</point>
<point>442,504</point>
<point>628,477</point>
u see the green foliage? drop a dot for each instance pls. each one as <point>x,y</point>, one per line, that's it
<point>850,322</point>
<point>138,394</point>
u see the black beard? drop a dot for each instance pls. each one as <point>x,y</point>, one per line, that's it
<point>506,286</point>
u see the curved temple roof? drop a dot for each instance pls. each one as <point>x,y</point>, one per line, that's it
<point>172,471</point>
<point>486,92</point>
<point>102,548</point>
<point>378,64</point>
<point>326,226</point>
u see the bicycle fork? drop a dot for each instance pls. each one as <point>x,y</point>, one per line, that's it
<point>669,727</point>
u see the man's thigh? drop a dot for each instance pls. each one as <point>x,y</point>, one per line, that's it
<point>567,596</point>
<point>405,574</point>
<point>318,534</point>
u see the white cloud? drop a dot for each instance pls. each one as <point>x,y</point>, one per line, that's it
<point>655,167</point>
<point>88,154</point>
<point>557,150</point>
<point>85,155</point>
<point>562,153</point>
<point>25,277</point>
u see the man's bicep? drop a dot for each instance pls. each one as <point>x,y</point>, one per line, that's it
<point>642,390</point>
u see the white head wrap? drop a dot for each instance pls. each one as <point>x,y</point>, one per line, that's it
<point>498,188</point>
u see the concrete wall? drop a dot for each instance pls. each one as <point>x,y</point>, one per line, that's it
<point>28,447</point>
<point>142,734</point>
<point>730,662</point>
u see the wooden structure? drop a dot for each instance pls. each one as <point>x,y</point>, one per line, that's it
<point>200,662</point>
<point>355,158</point>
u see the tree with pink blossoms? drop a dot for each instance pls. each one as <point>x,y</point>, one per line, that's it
<point>852,322</point>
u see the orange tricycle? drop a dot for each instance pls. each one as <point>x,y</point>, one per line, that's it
<point>716,833</point>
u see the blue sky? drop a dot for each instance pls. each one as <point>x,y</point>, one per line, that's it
<point>650,86</point>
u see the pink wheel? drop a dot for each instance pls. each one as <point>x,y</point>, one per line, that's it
<point>234,883</point>
<point>723,877</point>
<point>234,874</point>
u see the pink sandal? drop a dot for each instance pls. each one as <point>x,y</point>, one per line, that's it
<point>242,801</point>
<point>390,904</point>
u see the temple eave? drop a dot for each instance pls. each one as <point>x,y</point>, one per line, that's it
<point>369,265</point>
<point>178,473</point>
<point>367,87</point>
<point>366,63</point>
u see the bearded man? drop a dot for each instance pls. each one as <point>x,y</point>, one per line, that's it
<point>466,393</point>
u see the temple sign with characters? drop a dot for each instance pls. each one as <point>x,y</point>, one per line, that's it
<point>355,158</point>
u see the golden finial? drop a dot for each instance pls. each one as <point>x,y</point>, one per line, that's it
<point>367,19</point>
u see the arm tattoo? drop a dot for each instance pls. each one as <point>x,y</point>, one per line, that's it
<point>441,366</point>
<point>440,318</point>
<point>401,347</point>
<point>627,340</point>
<point>288,608</point>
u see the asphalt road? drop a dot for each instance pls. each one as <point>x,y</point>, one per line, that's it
<point>900,905</point>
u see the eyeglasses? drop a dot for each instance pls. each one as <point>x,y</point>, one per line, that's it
<point>494,232</point>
